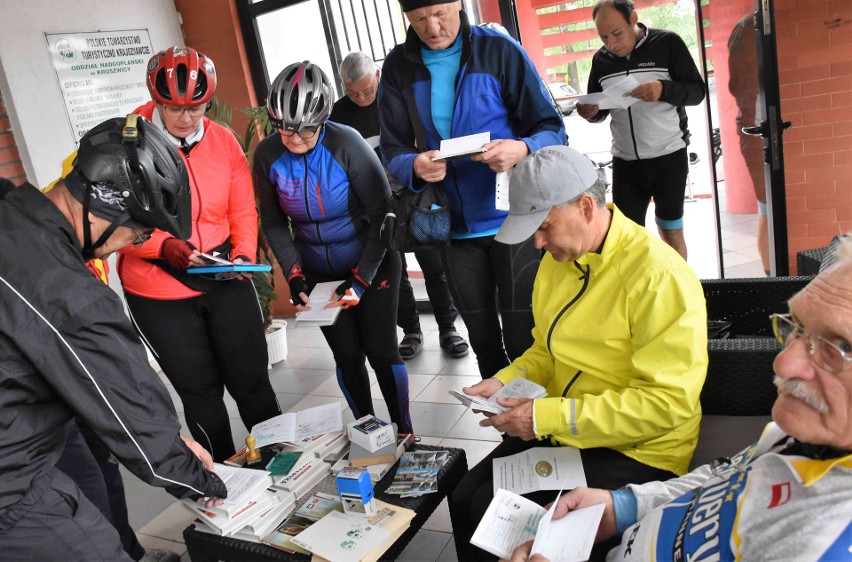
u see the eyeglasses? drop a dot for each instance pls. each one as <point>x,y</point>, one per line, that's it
<point>362,94</point>
<point>141,237</point>
<point>194,111</point>
<point>824,354</point>
<point>304,134</point>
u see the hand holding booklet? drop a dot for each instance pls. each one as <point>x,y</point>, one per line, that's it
<point>512,520</point>
<point>460,147</point>
<point>518,387</point>
<point>318,315</point>
<point>613,97</point>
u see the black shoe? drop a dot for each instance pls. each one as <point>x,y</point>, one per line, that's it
<point>410,345</point>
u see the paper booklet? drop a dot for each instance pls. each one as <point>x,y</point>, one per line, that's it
<point>512,520</point>
<point>460,147</point>
<point>518,387</point>
<point>308,513</point>
<point>349,537</point>
<point>320,296</point>
<point>294,426</point>
<point>539,468</point>
<point>248,496</point>
<point>614,96</point>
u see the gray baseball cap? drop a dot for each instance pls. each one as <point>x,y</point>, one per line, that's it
<point>546,178</point>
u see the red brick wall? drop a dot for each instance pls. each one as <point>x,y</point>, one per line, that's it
<point>212,27</point>
<point>815,71</point>
<point>10,161</point>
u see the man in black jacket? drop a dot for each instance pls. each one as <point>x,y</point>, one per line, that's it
<point>649,137</point>
<point>67,349</point>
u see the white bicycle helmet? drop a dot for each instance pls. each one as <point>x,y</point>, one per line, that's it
<point>300,97</point>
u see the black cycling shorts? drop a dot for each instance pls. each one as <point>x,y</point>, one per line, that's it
<point>635,182</point>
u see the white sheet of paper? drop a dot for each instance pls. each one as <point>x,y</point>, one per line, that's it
<point>341,537</point>
<point>613,96</point>
<point>320,296</point>
<point>518,387</point>
<point>501,197</point>
<point>241,482</point>
<point>539,468</point>
<point>509,521</point>
<point>569,539</point>
<point>462,146</point>
<point>294,426</point>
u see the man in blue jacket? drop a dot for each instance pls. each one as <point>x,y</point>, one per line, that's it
<point>454,79</point>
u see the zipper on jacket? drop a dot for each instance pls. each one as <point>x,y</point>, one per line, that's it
<point>571,383</point>
<point>586,275</point>
<point>632,130</point>
<point>198,194</point>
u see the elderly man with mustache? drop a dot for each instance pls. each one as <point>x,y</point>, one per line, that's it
<point>787,497</point>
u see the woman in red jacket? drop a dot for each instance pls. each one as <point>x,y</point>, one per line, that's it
<point>207,335</point>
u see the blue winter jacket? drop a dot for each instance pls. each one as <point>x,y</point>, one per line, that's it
<point>497,89</point>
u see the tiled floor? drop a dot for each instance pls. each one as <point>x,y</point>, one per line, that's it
<point>306,378</point>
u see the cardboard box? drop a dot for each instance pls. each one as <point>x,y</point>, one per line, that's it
<point>371,433</point>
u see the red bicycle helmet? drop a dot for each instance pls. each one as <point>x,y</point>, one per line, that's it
<point>181,76</point>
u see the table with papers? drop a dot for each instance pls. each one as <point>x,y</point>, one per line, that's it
<point>206,547</point>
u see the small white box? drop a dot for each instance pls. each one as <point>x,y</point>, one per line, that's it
<point>371,433</point>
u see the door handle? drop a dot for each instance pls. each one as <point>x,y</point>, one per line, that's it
<point>761,130</point>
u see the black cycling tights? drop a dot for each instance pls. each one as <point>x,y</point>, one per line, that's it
<point>368,331</point>
<point>204,345</point>
<point>479,270</point>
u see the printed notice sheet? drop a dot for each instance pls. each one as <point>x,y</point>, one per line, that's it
<point>295,426</point>
<point>512,520</point>
<point>540,468</point>
<point>613,96</point>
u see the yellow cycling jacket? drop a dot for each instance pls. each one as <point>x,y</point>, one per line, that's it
<point>621,346</point>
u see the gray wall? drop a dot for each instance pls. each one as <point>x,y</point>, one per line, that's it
<point>28,81</point>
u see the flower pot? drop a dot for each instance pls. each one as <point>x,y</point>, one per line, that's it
<point>276,341</point>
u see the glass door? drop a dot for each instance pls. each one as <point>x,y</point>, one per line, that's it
<point>752,200</point>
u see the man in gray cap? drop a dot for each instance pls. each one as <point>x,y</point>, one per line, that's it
<point>620,341</point>
<point>451,79</point>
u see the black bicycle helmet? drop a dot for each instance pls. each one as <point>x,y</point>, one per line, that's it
<point>300,97</point>
<point>143,168</point>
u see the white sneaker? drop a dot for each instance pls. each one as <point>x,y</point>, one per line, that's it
<point>159,555</point>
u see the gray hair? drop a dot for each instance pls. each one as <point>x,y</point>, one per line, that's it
<point>357,66</point>
<point>596,191</point>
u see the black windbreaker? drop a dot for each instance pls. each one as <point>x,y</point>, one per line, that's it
<point>67,349</point>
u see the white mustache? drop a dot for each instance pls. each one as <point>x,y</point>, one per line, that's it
<point>799,389</point>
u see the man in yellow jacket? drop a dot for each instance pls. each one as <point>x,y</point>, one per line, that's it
<point>620,341</point>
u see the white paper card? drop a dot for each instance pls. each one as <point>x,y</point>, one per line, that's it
<point>539,468</point>
<point>518,387</point>
<point>295,426</point>
<point>509,521</point>
<point>463,146</point>
<point>569,539</point>
<point>341,537</point>
<point>613,96</point>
